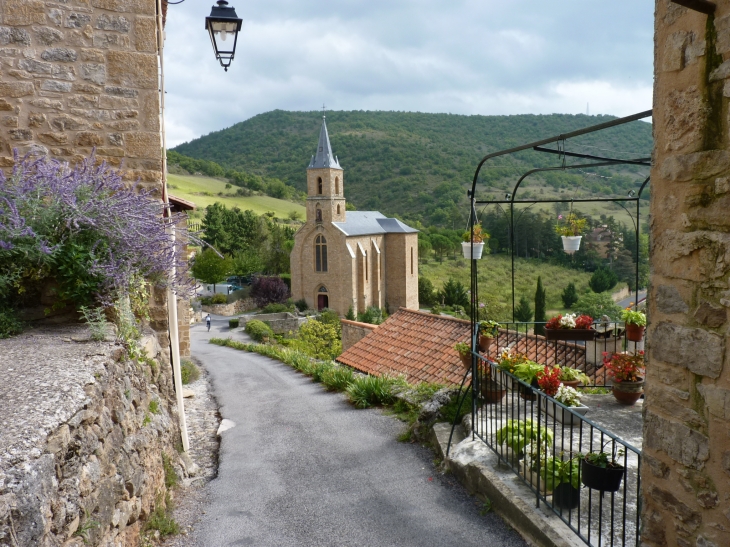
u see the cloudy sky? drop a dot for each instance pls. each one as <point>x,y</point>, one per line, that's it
<point>458,56</point>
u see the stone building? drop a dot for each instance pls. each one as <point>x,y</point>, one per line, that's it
<point>685,476</point>
<point>344,259</point>
<point>82,74</point>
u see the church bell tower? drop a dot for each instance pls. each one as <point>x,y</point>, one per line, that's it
<point>325,191</point>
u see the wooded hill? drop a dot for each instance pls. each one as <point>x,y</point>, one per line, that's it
<point>419,166</point>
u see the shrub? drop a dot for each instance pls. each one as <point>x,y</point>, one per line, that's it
<point>597,305</point>
<point>603,280</point>
<point>259,331</point>
<point>219,299</point>
<point>524,311</point>
<point>350,314</point>
<point>96,319</point>
<point>337,378</point>
<point>301,304</point>
<point>365,391</point>
<point>286,278</point>
<point>275,308</point>
<point>372,315</point>
<point>454,293</point>
<point>569,295</point>
<point>266,290</point>
<point>189,371</point>
<point>319,340</point>
<point>9,324</point>
<point>426,291</point>
<point>330,317</point>
<point>233,323</point>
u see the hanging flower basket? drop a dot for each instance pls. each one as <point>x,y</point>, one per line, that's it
<point>571,244</point>
<point>627,393</point>
<point>466,247</point>
<point>603,479</point>
<point>635,333</point>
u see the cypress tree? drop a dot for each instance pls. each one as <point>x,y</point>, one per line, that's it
<point>570,295</point>
<point>540,297</point>
<point>523,312</point>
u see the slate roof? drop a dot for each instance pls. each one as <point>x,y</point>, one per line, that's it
<point>360,223</point>
<point>324,157</point>
<point>412,343</point>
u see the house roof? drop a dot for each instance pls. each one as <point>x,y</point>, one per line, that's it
<point>180,204</point>
<point>360,223</point>
<point>324,157</point>
<point>415,344</point>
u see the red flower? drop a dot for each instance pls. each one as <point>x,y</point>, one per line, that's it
<point>549,380</point>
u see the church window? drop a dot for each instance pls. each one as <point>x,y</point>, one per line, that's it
<point>411,260</point>
<point>319,185</point>
<point>318,214</point>
<point>338,208</point>
<point>337,185</point>
<point>320,254</point>
<point>366,266</point>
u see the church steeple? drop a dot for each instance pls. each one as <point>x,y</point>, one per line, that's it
<point>324,158</point>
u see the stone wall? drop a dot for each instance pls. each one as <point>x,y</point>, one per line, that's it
<point>280,323</point>
<point>354,331</point>
<point>83,435</point>
<point>234,308</point>
<point>686,465</point>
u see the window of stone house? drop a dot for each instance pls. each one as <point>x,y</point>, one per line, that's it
<point>337,185</point>
<point>320,254</point>
<point>366,265</point>
<point>411,260</point>
<point>338,208</point>
<point>319,185</point>
<point>318,214</point>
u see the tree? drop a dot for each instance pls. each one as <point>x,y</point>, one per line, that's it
<point>569,295</point>
<point>454,293</point>
<point>425,291</point>
<point>540,306</point>
<point>208,267</point>
<point>603,280</point>
<point>441,244</point>
<point>246,262</point>
<point>267,290</point>
<point>523,312</point>
<point>424,248</point>
<point>596,305</point>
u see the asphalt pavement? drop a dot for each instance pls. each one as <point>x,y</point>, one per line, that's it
<point>302,467</point>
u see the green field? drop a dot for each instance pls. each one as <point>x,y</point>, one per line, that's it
<point>495,274</point>
<point>204,191</point>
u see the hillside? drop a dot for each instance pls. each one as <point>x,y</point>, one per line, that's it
<point>204,191</point>
<point>419,166</point>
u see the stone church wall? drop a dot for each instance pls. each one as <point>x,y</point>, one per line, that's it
<point>353,332</point>
<point>686,454</point>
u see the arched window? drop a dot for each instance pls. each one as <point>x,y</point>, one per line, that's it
<point>338,208</point>
<point>320,254</point>
<point>411,260</point>
<point>337,185</point>
<point>319,185</point>
<point>318,214</point>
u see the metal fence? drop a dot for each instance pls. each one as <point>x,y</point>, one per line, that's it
<point>545,442</point>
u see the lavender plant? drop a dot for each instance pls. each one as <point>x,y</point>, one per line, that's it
<point>85,231</point>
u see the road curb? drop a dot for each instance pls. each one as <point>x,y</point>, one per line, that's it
<point>474,465</point>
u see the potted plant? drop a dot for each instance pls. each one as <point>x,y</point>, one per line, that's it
<point>600,471</point>
<point>464,351</point>
<point>572,377</point>
<point>488,331</point>
<point>570,398</point>
<point>527,371</point>
<point>474,239</point>
<point>635,324</point>
<point>517,434</point>
<point>570,327</point>
<point>626,369</point>
<point>561,477</point>
<point>490,389</point>
<point>570,229</point>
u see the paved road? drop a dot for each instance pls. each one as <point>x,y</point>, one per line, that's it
<point>304,468</point>
<point>629,301</point>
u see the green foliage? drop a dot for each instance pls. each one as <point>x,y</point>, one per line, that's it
<point>372,315</point>
<point>569,295</point>
<point>540,307</point>
<point>9,324</point>
<point>218,298</point>
<point>276,307</point>
<point>350,315</point>
<point>426,291</point>
<point>517,434</point>
<point>597,305</point>
<point>631,317</point>
<point>523,312</point>
<point>366,391</point>
<point>161,521</point>
<point>247,262</point>
<point>301,304</point>
<point>319,340</point>
<point>337,378</point>
<point>154,407</point>
<point>189,371</point>
<point>449,410</point>
<point>171,478</point>
<point>233,323</point>
<point>330,317</point>
<point>258,330</point>
<point>603,280</point>
<point>208,267</point>
<point>454,293</point>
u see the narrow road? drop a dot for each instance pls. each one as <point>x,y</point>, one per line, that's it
<point>302,467</point>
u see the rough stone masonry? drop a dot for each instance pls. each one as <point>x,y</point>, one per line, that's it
<point>686,460</point>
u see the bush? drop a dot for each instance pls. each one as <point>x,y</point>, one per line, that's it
<point>597,305</point>
<point>233,323</point>
<point>301,304</point>
<point>426,291</point>
<point>603,280</point>
<point>351,314</point>
<point>189,371</point>
<point>569,295</point>
<point>330,317</point>
<point>9,324</point>
<point>524,311</point>
<point>276,308</point>
<point>372,315</point>
<point>267,290</point>
<point>319,340</point>
<point>219,299</point>
<point>259,331</point>
<point>454,293</point>
<point>337,378</point>
<point>286,278</point>
<point>365,391</point>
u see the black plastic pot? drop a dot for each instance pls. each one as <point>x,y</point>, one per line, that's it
<point>565,496</point>
<point>604,479</point>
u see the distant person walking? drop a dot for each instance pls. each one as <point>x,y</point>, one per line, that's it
<point>207,322</point>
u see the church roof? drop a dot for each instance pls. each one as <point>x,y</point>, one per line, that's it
<point>360,223</point>
<point>324,157</point>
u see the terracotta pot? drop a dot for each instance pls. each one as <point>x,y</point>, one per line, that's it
<point>485,342</point>
<point>570,334</point>
<point>635,333</point>
<point>527,393</point>
<point>492,392</point>
<point>466,359</point>
<point>603,479</point>
<point>627,393</point>
<point>571,383</point>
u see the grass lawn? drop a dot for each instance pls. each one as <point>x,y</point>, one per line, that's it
<point>495,274</point>
<point>203,191</point>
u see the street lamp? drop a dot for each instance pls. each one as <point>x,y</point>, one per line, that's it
<point>220,24</point>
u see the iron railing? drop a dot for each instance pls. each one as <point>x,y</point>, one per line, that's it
<point>545,443</point>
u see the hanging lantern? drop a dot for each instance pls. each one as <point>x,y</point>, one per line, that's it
<point>223,25</point>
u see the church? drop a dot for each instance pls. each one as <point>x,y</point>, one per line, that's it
<point>344,259</point>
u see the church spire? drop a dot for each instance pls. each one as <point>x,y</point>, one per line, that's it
<point>324,157</point>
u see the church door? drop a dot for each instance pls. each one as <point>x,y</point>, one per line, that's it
<point>322,301</point>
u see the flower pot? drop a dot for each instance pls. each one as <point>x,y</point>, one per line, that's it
<point>563,416</point>
<point>527,393</point>
<point>466,359</point>
<point>485,342</point>
<point>603,479</point>
<point>466,248</point>
<point>531,477</point>
<point>570,383</point>
<point>570,334</point>
<point>565,496</point>
<point>571,244</point>
<point>627,393</point>
<point>492,392</point>
<point>635,333</point>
